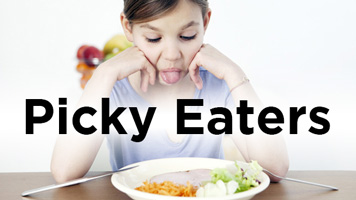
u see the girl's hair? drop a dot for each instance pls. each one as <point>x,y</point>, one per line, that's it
<point>139,11</point>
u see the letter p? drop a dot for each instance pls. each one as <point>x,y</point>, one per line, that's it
<point>31,119</point>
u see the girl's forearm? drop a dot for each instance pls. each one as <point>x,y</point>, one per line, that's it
<point>74,153</point>
<point>269,151</point>
<point>98,87</point>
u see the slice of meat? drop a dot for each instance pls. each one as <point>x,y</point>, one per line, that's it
<point>194,177</point>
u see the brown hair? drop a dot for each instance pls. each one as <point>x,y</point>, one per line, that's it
<point>138,11</point>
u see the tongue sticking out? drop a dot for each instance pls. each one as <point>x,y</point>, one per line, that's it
<point>170,77</point>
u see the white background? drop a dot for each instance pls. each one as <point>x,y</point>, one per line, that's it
<point>296,53</point>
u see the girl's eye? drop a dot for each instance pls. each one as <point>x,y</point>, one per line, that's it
<point>154,40</point>
<point>187,37</point>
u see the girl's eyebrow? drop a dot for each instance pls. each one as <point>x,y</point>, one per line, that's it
<point>192,23</point>
<point>150,27</point>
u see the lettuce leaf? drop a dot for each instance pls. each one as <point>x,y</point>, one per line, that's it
<point>245,178</point>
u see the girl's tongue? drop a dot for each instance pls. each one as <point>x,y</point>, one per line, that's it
<point>170,76</point>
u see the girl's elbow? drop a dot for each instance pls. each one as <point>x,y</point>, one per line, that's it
<point>63,174</point>
<point>60,175</point>
<point>280,169</point>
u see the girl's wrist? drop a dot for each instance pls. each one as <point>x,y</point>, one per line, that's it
<point>244,81</point>
<point>105,75</point>
<point>235,77</point>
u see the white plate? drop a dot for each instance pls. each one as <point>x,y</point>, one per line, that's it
<point>127,181</point>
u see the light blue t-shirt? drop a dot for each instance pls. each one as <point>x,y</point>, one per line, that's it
<point>157,144</point>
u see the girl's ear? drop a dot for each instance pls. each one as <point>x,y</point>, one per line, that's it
<point>207,19</point>
<point>126,26</point>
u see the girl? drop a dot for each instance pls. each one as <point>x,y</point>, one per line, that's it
<point>168,61</point>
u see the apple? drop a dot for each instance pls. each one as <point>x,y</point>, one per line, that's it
<point>81,50</point>
<point>92,56</point>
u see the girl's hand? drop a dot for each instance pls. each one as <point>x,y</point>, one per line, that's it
<point>130,61</point>
<point>217,64</point>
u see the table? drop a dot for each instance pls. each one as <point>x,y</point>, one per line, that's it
<point>13,184</point>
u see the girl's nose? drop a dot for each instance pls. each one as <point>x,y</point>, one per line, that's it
<point>172,52</point>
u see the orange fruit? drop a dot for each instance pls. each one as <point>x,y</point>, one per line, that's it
<point>82,67</point>
<point>83,82</point>
<point>86,75</point>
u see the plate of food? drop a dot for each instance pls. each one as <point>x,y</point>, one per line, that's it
<point>191,178</point>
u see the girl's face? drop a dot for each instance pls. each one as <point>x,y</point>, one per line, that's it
<point>171,42</point>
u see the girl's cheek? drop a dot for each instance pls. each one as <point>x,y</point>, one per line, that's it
<point>151,56</point>
<point>150,53</point>
<point>195,49</point>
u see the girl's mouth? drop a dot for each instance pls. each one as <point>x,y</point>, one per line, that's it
<point>170,76</point>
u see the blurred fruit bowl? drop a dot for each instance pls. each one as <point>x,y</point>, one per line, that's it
<point>89,57</point>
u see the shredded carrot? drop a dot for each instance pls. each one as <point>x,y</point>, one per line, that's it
<point>168,188</point>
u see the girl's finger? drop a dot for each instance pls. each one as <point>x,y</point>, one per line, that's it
<point>194,74</point>
<point>151,73</point>
<point>144,80</point>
